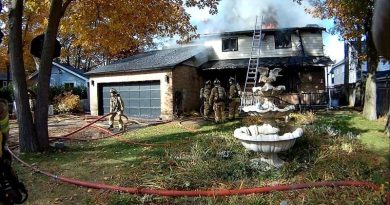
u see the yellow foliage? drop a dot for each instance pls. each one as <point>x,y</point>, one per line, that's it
<point>67,102</point>
<point>306,118</point>
<point>97,29</point>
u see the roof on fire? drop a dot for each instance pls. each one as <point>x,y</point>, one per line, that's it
<point>309,28</point>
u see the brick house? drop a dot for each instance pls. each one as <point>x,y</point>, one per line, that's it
<point>157,84</point>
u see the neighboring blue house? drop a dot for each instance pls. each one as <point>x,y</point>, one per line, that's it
<point>63,75</point>
<point>3,79</point>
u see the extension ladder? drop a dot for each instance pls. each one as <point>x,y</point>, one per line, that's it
<point>253,64</point>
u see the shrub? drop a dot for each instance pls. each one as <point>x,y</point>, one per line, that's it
<point>306,118</point>
<point>67,102</point>
<point>80,91</point>
<point>6,93</point>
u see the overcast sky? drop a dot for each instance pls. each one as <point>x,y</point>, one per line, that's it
<point>236,15</point>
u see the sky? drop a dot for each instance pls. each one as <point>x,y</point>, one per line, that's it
<point>234,15</point>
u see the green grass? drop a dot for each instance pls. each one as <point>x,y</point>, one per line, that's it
<point>185,160</point>
<point>371,132</point>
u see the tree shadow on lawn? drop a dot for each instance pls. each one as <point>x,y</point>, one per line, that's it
<point>341,122</point>
<point>371,132</point>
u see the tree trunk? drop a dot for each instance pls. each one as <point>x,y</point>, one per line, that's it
<point>387,127</point>
<point>369,109</point>
<point>27,136</point>
<point>41,114</point>
<point>346,73</point>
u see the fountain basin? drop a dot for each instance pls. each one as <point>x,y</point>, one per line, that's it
<point>268,111</point>
<point>266,140</point>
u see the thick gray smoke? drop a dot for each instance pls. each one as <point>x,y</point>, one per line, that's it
<point>237,15</point>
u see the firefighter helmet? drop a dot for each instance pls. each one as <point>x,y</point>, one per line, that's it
<point>217,82</point>
<point>231,80</point>
<point>113,90</point>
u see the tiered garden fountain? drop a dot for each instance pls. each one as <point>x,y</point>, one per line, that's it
<point>265,138</point>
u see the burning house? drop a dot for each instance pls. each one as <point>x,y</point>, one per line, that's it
<point>158,84</point>
<point>298,51</point>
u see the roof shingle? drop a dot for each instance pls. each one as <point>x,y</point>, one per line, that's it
<point>152,60</point>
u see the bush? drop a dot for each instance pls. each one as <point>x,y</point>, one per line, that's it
<point>67,102</point>
<point>306,118</point>
<point>54,91</point>
<point>7,93</point>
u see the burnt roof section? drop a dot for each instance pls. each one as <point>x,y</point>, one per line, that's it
<point>152,60</point>
<point>268,62</point>
<point>265,31</point>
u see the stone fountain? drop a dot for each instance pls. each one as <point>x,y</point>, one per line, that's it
<point>266,138</point>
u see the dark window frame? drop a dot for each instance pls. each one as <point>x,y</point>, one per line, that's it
<point>229,44</point>
<point>69,85</point>
<point>281,40</point>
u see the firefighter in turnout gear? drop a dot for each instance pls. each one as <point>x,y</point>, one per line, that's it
<point>4,124</point>
<point>12,191</point>
<point>217,99</point>
<point>205,98</point>
<point>116,108</point>
<point>234,98</point>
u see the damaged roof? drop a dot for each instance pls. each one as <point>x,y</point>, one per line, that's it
<point>309,27</point>
<point>152,60</point>
<point>268,62</point>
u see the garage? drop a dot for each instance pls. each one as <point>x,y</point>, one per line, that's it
<point>141,99</point>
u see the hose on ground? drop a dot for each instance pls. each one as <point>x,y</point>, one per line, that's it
<point>199,193</point>
<point>87,125</point>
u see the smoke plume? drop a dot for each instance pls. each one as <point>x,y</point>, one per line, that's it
<point>235,15</point>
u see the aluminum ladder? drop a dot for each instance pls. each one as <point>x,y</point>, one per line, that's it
<point>253,64</point>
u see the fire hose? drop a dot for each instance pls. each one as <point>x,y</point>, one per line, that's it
<point>199,193</point>
<point>87,125</point>
<point>196,193</point>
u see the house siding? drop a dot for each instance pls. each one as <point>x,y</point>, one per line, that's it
<point>160,75</point>
<point>61,77</point>
<point>312,42</point>
<point>187,81</point>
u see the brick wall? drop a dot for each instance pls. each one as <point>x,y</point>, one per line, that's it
<point>187,80</point>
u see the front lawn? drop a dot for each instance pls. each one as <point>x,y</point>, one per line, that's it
<point>338,146</point>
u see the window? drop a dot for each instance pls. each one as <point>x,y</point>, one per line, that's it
<point>229,44</point>
<point>282,40</point>
<point>4,83</point>
<point>69,85</point>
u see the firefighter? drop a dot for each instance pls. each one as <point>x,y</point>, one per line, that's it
<point>217,99</point>
<point>31,99</point>
<point>4,124</point>
<point>116,108</point>
<point>205,98</point>
<point>12,191</point>
<point>234,98</point>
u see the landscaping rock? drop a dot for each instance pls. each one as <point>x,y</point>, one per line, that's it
<point>59,145</point>
<point>225,154</point>
<point>259,165</point>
